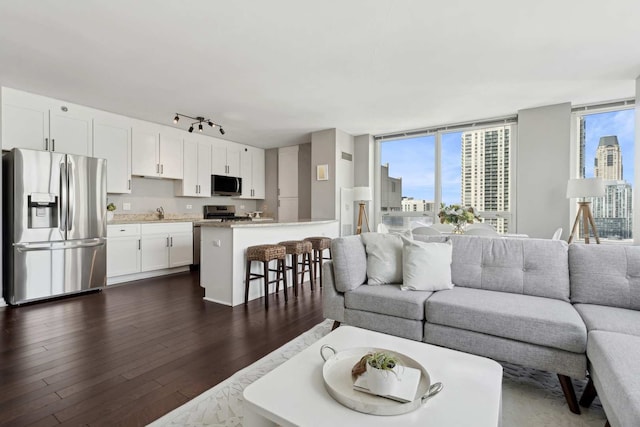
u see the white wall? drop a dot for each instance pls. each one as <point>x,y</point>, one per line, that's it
<point>147,194</point>
<point>344,169</point>
<point>542,170</point>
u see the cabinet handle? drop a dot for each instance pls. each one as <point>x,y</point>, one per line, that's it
<point>161,168</point>
<point>129,184</point>
<point>46,144</point>
<point>199,189</point>
<point>53,144</point>
<point>157,167</point>
<point>171,239</point>
<point>139,244</point>
<point>167,242</point>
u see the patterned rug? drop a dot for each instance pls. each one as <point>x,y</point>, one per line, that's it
<point>529,397</point>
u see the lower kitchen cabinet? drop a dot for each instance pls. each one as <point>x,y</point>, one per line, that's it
<point>123,249</point>
<point>136,249</point>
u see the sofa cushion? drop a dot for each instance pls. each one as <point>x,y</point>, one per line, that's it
<point>613,360</point>
<point>536,267</point>
<point>543,321</point>
<point>426,266</point>
<point>390,300</point>
<point>612,319</point>
<point>349,262</point>
<point>384,258</point>
<point>605,275</point>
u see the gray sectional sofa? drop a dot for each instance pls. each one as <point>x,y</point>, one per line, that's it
<point>534,302</point>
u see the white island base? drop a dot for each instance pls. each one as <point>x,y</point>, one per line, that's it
<point>222,254</point>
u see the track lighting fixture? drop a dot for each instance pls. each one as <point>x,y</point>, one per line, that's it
<point>198,121</point>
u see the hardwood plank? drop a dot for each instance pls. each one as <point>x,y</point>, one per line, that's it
<point>131,353</point>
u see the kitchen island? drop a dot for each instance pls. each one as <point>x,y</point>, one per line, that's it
<point>223,246</point>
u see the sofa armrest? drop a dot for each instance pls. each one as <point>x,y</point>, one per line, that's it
<point>332,300</point>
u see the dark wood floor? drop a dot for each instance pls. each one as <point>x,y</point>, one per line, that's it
<point>131,353</point>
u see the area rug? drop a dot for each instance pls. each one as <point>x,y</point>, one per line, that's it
<point>529,397</point>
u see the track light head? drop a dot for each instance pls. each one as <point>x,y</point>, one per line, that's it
<point>190,128</point>
<point>210,123</point>
<point>199,120</point>
<point>222,130</point>
<point>176,119</point>
<point>200,127</point>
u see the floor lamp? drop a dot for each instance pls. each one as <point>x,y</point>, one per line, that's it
<point>583,188</point>
<point>362,195</point>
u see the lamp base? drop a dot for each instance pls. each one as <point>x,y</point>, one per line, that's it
<point>587,219</point>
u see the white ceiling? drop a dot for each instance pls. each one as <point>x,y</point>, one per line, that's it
<point>273,71</point>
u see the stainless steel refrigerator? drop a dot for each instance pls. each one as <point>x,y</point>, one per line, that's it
<point>54,224</point>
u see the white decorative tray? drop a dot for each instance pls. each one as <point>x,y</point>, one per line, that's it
<point>338,381</point>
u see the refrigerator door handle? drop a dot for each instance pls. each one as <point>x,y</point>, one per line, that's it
<point>71,197</point>
<point>52,246</point>
<point>64,195</point>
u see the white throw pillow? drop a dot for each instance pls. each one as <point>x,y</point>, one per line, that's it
<point>384,257</point>
<point>426,266</point>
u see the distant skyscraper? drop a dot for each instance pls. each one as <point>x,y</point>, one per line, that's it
<point>390,191</point>
<point>612,213</point>
<point>608,161</point>
<point>485,172</point>
<point>582,132</point>
<point>409,204</point>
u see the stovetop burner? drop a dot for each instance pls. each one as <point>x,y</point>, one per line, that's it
<point>222,213</point>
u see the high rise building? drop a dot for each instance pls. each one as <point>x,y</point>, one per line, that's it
<point>409,204</point>
<point>582,133</point>
<point>485,184</point>
<point>390,191</point>
<point>608,162</point>
<point>612,213</point>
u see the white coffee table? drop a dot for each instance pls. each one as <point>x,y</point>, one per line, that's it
<point>294,393</point>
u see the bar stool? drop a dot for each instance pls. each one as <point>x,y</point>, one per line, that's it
<point>319,244</point>
<point>295,248</point>
<point>266,254</point>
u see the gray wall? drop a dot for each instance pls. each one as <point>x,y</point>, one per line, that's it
<point>363,171</point>
<point>542,170</point>
<point>147,194</point>
<point>271,182</point>
<point>323,152</point>
<point>304,181</point>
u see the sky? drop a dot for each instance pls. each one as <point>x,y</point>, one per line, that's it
<point>413,159</point>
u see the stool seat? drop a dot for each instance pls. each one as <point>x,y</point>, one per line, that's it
<point>319,243</point>
<point>266,252</point>
<point>297,247</point>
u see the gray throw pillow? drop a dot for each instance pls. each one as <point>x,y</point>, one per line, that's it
<point>384,257</point>
<point>426,266</point>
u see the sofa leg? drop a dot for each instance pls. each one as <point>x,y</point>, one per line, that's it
<point>335,325</point>
<point>588,394</point>
<point>569,393</point>
<point>607,424</point>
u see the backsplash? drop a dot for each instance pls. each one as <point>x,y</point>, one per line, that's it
<point>148,194</point>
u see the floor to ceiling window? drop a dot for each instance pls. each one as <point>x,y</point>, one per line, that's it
<point>606,140</point>
<point>467,165</point>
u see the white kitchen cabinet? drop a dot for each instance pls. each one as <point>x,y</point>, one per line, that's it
<point>253,171</point>
<point>156,151</point>
<point>123,249</point>
<point>225,158</point>
<point>197,168</point>
<point>112,141</point>
<point>166,245</point>
<point>40,123</point>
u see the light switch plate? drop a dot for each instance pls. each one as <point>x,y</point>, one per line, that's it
<point>126,206</point>
<point>189,206</point>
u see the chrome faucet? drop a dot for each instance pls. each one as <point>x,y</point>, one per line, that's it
<point>160,211</point>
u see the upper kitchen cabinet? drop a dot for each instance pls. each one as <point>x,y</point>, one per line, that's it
<point>253,171</point>
<point>197,168</point>
<point>225,158</point>
<point>156,151</point>
<point>41,123</point>
<point>112,141</point>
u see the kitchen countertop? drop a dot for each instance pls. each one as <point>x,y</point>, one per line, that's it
<point>169,218</point>
<point>252,224</point>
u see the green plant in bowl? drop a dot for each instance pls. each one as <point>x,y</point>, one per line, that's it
<point>111,207</point>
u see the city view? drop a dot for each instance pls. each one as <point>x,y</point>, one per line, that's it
<point>475,171</point>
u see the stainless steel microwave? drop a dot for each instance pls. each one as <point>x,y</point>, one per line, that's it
<point>222,185</point>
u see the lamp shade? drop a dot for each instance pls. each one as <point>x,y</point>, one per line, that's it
<point>587,187</point>
<point>361,194</point>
